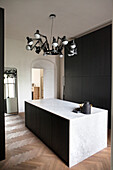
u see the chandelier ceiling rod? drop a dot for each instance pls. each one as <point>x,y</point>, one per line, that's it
<point>40,43</point>
<point>52,16</point>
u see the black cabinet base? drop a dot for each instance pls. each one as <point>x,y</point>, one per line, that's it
<point>53,130</point>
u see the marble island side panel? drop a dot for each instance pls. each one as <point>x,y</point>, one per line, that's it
<point>87,136</point>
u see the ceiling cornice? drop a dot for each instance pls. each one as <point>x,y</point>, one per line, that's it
<point>91,30</point>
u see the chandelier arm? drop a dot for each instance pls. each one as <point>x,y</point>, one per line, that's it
<point>61,48</point>
<point>34,45</point>
<point>43,43</point>
<point>45,40</point>
<point>43,36</point>
<point>42,47</point>
<point>47,44</point>
<point>58,39</point>
<point>51,30</point>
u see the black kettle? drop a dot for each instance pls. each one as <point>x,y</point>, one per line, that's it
<point>86,109</point>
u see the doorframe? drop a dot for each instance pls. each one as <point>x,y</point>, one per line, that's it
<point>41,67</point>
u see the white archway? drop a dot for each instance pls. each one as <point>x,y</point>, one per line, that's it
<point>49,76</point>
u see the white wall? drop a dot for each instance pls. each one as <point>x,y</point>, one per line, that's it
<point>17,56</point>
<point>49,84</point>
<point>61,77</point>
<point>49,78</point>
<point>36,77</point>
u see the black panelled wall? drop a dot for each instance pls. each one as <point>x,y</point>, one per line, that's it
<point>88,74</point>
<point>2,131</point>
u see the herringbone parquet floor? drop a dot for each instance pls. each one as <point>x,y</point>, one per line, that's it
<point>24,151</point>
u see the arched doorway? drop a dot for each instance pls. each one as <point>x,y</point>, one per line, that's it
<point>49,80</point>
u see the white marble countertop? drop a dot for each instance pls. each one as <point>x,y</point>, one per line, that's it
<point>62,108</point>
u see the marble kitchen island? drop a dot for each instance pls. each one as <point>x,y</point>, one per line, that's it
<point>72,136</point>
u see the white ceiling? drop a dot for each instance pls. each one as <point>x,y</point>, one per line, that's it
<point>24,17</point>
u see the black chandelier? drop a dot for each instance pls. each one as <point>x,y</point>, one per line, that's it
<point>40,42</point>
